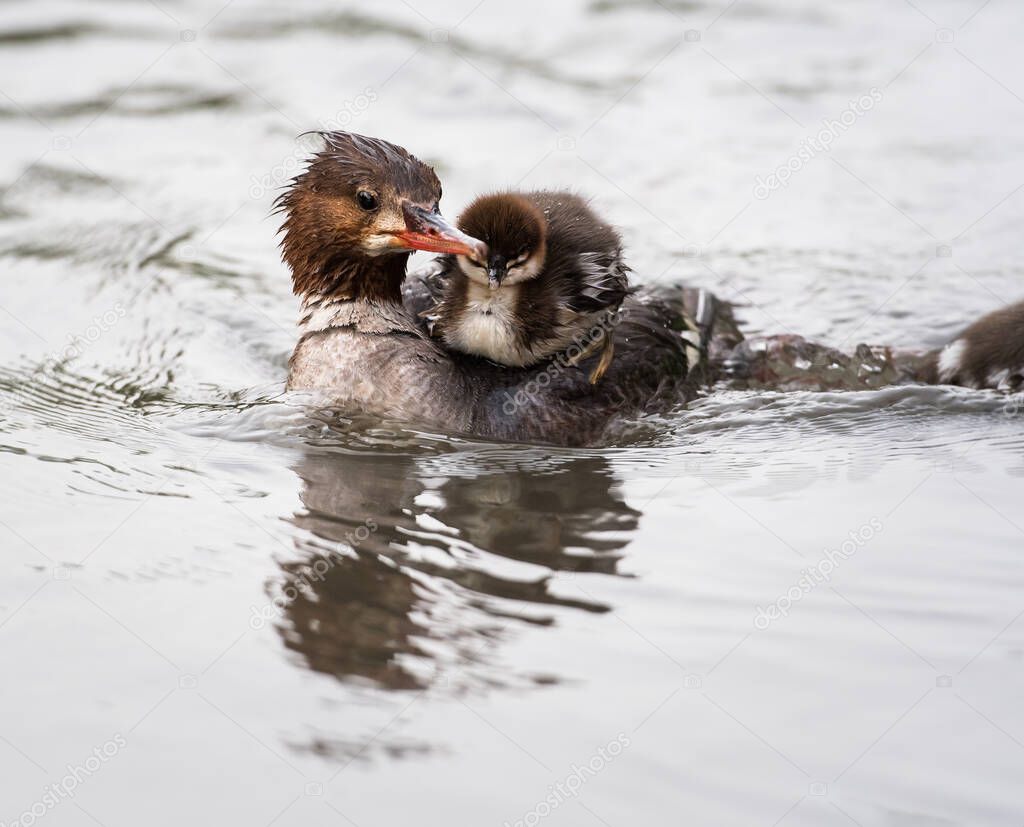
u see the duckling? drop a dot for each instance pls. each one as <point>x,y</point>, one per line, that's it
<point>553,277</point>
<point>988,354</point>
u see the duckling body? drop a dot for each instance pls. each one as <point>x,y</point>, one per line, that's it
<point>988,354</point>
<point>554,277</point>
<point>489,323</point>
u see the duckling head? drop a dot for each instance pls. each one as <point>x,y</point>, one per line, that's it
<point>514,231</point>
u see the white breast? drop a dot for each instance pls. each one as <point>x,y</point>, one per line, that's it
<point>488,326</point>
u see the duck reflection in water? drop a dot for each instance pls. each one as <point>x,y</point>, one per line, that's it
<point>410,570</point>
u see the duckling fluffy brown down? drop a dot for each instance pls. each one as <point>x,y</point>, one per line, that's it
<point>551,282</point>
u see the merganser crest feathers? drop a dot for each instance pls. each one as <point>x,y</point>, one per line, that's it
<point>359,157</point>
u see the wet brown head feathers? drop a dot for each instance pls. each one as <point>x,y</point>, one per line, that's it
<point>327,235</point>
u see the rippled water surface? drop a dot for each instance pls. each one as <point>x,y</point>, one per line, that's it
<point>261,616</point>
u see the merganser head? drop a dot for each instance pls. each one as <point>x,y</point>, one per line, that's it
<point>359,200</point>
<point>515,232</point>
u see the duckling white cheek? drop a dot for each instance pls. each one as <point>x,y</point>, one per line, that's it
<point>529,269</point>
<point>472,270</point>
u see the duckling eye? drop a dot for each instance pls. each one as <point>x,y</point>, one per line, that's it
<point>367,200</point>
<point>520,258</point>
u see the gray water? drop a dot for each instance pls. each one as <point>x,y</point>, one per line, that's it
<point>262,616</point>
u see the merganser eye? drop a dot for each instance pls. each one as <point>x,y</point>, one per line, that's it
<point>367,200</point>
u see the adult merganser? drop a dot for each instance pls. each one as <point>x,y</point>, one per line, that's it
<point>553,278</point>
<point>352,218</point>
